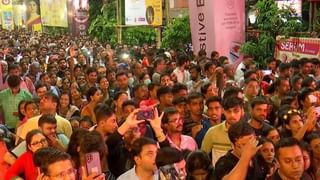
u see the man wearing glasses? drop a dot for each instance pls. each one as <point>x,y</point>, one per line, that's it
<point>173,124</point>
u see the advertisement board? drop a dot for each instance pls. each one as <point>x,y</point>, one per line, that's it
<point>217,26</point>
<point>54,13</point>
<point>6,14</point>
<point>143,12</point>
<point>291,48</point>
<point>78,17</point>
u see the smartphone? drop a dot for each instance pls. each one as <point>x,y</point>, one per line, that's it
<point>312,98</point>
<point>145,114</point>
<point>93,163</point>
<point>266,72</point>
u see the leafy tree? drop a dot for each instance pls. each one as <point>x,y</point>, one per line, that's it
<point>102,26</point>
<point>271,22</point>
<point>176,34</point>
<point>139,35</point>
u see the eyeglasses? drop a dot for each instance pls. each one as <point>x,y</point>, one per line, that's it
<point>42,141</point>
<point>63,174</point>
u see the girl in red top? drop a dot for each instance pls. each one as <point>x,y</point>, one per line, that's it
<point>24,164</point>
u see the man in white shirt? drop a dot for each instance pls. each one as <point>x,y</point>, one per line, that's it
<point>144,151</point>
<point>246,61</point>
<point>183,76</point>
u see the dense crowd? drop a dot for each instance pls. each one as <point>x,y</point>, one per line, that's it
<point>151,113</point>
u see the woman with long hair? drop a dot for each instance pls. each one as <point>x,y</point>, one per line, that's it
<point>94,96</point>
<point>66,109</point>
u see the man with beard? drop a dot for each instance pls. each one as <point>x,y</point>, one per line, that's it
<point>173,124</point>
<point>62,67</point>
<point>214,110</point>
<point>216,139</point>
<point>195,75</point>
<point>259,111</point>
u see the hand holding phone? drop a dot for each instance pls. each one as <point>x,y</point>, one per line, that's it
<point>93,163</point>
<point>145,114</point>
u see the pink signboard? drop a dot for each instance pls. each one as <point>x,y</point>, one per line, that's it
<point>291,48</point>
<point>217,25</point>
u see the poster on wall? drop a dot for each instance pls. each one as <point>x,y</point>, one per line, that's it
<point>294,4</point>
<point>217,26</point>
<point>143,12</point>
<point>54,13</point>
<point>78,17</point>
<point>6,14</point>
<point>32,18</point>
<point>291,48</point>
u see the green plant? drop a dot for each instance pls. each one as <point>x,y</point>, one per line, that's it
<point>177,33</point>
<point>103,25</point>
<point>55,30</point>
<point>139,35</point>
<point>271,22</point>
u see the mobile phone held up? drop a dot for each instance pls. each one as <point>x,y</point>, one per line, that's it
<point>93,163</point>
<point>145,114</point>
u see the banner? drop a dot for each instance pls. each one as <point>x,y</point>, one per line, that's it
<point>7,15</point>
<point>32,19</point>
<point>18,12</point>
<point>295,4</point>
<point>54,13</point>
<point>296,48</point>
<point>78,17</point>
<point>217,26</point>
<point>143,12</point>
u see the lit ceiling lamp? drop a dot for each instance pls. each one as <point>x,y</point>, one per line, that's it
<point>252,15</point>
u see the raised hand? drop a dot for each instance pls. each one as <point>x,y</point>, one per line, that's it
<point>251,148</point>
<point>156,121</point>
<point>130,122</point>
<point>93,176</point>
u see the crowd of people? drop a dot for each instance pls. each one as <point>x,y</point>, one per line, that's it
<point>153,113</point>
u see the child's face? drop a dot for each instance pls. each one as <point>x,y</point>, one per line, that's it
<point>22,109</point>
<point>31,110</point>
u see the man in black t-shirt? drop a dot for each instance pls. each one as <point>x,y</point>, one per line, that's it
<point>240,163</point>
<point>289,155</point>
<point>259,112</point>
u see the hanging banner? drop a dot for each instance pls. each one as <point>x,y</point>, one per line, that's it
<point>143,12</point>
<point>78,17</point>
<point>7,15</point>
<point>18,12</point>
<point>32,19</point>
<point>291,48</point>
<point>217,26</point>
<point>54,13</point>
<point>294,4</point>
